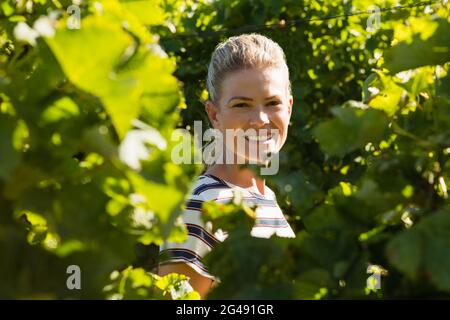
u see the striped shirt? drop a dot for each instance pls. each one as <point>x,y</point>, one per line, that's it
<point>201,239</point>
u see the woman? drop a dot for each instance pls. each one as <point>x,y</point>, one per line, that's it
<point>250,94</point>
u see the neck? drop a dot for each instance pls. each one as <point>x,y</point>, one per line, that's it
<point>242,177</point>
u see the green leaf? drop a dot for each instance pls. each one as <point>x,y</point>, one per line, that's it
<point>301,190</point>
<point>389,96</point>
<point>425,249</point>
<point>351,129</point>
<point>437,249</point>
<point>405,252</point>
<point>63,108</point>
<point>32,81</point>
<point>443,87</point>
<point>312,284</point>
<point>36,225</point>
<point>92,69</point>
<point>366,94</point>
<point>325,218</point>
<point>418,52</point>
<point>148,12</point>
<point>9,156</point>
<point>164,200</point>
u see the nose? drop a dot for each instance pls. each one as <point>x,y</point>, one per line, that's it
<point>259,118</point>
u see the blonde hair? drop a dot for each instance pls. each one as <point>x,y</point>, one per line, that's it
<point>246,51</point>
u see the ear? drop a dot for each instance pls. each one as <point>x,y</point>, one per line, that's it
<point>212,112</point>
<point>291,101</point>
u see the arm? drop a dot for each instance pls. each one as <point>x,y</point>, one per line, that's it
<point>198,282</point>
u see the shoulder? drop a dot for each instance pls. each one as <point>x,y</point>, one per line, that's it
<point>207,188</point>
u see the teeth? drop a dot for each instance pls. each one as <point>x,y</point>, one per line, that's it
<point>258,138</point>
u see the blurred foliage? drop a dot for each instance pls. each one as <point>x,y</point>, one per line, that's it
<point>86,117</point>
<point>86,176</point>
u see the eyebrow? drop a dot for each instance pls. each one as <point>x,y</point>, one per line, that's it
<point>250,99</point>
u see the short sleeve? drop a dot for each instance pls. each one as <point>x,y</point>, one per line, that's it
<point>200,240</point>
<point>201,237</point>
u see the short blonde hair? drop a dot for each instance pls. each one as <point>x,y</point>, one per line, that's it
<point>246,51</point>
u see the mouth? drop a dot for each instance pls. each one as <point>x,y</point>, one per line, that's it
<point>255,138</point>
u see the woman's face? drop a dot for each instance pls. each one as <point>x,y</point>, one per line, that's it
<point>255,99</point>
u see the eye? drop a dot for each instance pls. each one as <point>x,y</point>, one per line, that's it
<point>240,105</point>
<point>274,103</point>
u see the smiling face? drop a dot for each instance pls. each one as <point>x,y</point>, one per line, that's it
<point>257,103</point>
